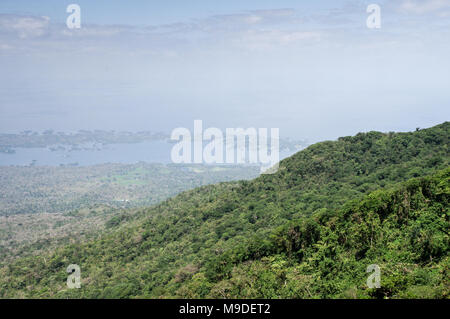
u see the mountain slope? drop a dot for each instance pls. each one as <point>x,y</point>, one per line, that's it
<point>174,245</point>
<point>403,230</point>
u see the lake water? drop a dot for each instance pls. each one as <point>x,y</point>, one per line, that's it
<point>150,152</point>
<point>153,152</point>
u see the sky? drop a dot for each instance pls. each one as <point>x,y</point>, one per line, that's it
<point>313,69</point>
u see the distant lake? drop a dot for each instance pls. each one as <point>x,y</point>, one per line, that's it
<point>85,155</point>
<point>153,152</point>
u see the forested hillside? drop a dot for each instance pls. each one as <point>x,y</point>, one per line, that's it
<point>308,231</point>
<point>403,230</point>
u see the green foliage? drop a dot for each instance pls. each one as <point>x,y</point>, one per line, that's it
<point>404,230</point>
<point>308,231</point>
<point>116,220</point>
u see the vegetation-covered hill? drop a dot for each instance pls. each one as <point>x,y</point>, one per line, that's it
<point>403,230</point>
<point>310,230</point>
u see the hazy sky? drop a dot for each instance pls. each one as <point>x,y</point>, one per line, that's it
<point>311,68</point>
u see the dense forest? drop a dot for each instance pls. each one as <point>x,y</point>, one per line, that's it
<point>308,231</point>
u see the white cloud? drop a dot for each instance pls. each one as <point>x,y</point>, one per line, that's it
<point>24,26</point>
<point>424,6</point>
<point>268,39</point>
<point>4,47</point>
<point>251,18</point>
<point>95,31</point>
<point>232,22</point>
<point>248,30</point>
